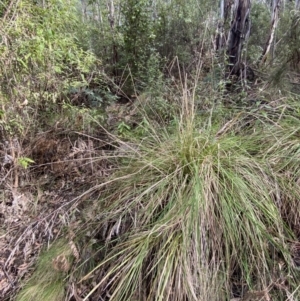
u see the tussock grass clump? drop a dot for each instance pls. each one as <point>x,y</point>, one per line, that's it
<point>48,280</point>
<point>283,154</point>
<point>192,215</point>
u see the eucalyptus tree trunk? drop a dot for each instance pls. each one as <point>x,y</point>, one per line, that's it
<point>225,10</point>
<point>271,37</point>
<point>238,34</point>
<point>112,19</point>
<point>111,14</point>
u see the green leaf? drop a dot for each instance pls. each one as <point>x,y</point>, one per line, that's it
<point>25,162</point>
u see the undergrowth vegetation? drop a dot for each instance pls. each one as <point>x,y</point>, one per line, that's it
<point>199,212</point>
<point>134,167</point>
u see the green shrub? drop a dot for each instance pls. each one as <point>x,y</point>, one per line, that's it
<point>39,58</point>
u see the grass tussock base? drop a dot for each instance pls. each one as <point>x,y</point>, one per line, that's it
<point>194,215</point>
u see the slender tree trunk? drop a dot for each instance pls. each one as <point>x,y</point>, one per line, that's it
<point>274,23</point>
<point>238,34</point>
<point>225,10</point>
<point>111,19</point>
<point>83,10</point>
<point>111,15</point>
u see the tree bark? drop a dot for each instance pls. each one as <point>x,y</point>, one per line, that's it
<point>111,19</point>
<point>238,34</point>
<point>225,10</point>
<point>274,23</point>
<point>111,15</point>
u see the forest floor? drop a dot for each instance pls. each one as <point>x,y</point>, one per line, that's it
<point>49,184</point>
<point>40,202</point>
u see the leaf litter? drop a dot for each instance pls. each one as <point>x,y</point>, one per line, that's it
<point>35,203</point>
